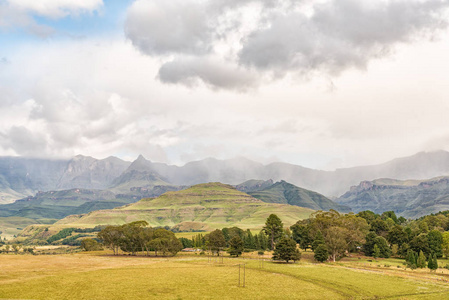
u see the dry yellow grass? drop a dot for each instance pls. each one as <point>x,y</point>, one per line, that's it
<point>97,276</point>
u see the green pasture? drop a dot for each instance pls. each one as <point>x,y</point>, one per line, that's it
<point>88,276</point>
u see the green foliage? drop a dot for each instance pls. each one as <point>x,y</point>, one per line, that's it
<point>321,253</point>
<point>433,262</point>
<point>73,240</point>
<point>215,241</point>
<point>273,228</point>
<point>376,251</point>
<point>60,235</point>
<point>411,259</point>
<point>420,243</point>
<point>286,250</point>
<point>319,240</point>
<point>90,245</point>
<point>421,261</point>
<point>186,243</point>
<point>435,239</point>
<point>382,246</point>
<point>235,246</point>
<point>368,247</point>
<point>300,233</point>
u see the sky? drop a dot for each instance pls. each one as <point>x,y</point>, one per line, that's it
<point>324,84</point>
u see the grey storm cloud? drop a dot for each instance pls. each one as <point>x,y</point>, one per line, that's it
<point>328,37</point>
<point>189,71</point>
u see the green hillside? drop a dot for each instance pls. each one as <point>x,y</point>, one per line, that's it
<point>286,193</point>
<point>203,206</point>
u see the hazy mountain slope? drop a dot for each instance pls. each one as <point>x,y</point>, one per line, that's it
<point>90,173</point>
<point>254,185</point>
<point>410,199</point>
<point>59,204</point>
<point>286,193</point>
<point>20,177</point>
<point>204,206</point>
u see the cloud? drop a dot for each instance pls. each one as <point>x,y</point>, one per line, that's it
<point>20,13</point>
<point>275,37</point>
<point>216,74</point>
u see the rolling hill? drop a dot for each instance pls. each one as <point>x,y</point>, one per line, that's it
<point>407,198</point>
<point>201,207</point>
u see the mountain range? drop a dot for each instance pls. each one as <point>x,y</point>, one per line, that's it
<point>407,198</point>
<point>22,177</point>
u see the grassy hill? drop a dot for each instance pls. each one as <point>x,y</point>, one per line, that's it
<point>203,206</point>
<point>286,193</point>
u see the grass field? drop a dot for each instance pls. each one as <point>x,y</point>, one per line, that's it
<point>99,276</point>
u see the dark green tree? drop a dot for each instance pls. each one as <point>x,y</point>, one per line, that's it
<point>321,254</point>
<point>286,250</point>
<point>319,240</point>
<point>435,239</point>
<point>382,245</point>
<point>263,241</point>
<point>235,246</point>
<point>376,251</point>
<point>397,236</point>
<point>300,233</point>
<point>186,243</point>
<point>421,261</point>
<point>273,228</point>
<point>433,262</point>
<point>420,243</point>
<point>368,247</point>
<point>215,241</point>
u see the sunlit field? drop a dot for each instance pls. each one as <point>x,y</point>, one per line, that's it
<point>189,276</point>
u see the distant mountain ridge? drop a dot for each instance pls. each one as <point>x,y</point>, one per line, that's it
<point>287,193</point>
<point>409,198</point>
<point>22,177</point>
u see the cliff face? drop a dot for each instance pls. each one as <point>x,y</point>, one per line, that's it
<point>410,199</point>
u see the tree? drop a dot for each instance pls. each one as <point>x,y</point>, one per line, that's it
<point>164,241</point>
<point>411,259</point>
<point>368,247</point>
<point>397,235</point>
<point>215,241</point>
<point>90,245</point>
<point>421,261</point>
<point>433,263</point>
<point>300,233</point>
<point>445,244</point>
<point>420,243</point>
<point>435,239</point>
<point>376,251</point>
<point>15,248</point>
<point>321,253</point>
<point>111,237</point>
<point>319,240</point>
<point>249,242</point>
<point>262,237</point>
<point>286,250</point>
<point>186,243</point>
<point>273,228</point>
<point>236,246</point>
<point>382,245</point>
<point>335,242</point>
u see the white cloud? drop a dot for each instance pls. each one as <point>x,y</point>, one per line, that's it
<point>276,38</point>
